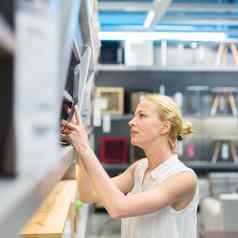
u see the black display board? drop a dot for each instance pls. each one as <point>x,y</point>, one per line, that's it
<point>7,138</point>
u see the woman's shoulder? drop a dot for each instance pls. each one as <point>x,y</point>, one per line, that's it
<point>179,165</point>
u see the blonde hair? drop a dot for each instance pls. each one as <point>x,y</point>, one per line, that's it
<point>169,111</point>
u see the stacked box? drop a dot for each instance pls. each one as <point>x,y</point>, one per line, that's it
<point>114,97</point>
<point>113,149</point>
<point>223,183</point>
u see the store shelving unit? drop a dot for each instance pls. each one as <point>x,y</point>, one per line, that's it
<point>208,125</point>
<point>175,79</point>
<point>42,163</point>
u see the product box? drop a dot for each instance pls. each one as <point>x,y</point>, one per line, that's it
<point>113,97</point>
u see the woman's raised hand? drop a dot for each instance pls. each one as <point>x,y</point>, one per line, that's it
<point>75,132</point>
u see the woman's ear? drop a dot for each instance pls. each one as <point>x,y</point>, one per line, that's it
<point>165,128</point>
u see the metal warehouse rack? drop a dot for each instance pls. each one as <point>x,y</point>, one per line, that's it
<point>53,29</point>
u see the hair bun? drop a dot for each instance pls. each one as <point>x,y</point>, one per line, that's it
<point>187,128</point>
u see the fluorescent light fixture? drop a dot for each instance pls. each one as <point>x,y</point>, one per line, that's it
<point>154,36</point>
<point>155,14</point>
<point>149,19</point>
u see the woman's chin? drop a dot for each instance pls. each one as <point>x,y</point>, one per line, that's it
<point>134,142</point>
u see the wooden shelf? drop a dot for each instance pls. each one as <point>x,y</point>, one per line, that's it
<point>49,220</point>
<point>21,197</point>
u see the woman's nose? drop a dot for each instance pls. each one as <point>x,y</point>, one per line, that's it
<point>131,122</point>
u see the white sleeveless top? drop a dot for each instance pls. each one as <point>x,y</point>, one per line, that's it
<point>167,222</point>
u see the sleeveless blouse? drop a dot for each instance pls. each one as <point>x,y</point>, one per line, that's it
<point>167,222</point>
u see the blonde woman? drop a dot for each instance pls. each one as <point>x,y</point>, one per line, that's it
<point>156,196</point>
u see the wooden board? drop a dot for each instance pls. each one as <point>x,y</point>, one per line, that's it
<point>49,220</point>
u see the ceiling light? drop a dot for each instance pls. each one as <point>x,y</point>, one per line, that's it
<point>149,18</point>
<point>159,9</point>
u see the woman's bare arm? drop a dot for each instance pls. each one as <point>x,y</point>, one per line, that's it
<point>177,189</point>
<point>86,189</point>
<point>124,182</point>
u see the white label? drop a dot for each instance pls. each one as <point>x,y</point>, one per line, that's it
<point>106,123</point>
<point>97,117</point>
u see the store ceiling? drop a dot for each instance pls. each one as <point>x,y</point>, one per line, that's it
<point>185,16</point>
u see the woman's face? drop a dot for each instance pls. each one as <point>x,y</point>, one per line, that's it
<point>145,125</point>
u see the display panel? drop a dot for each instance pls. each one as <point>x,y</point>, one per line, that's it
<point>7,139</point>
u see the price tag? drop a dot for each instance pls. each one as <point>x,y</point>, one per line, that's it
<point>106,123</point>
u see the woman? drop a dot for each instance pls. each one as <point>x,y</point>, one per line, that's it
<point>156,196</point>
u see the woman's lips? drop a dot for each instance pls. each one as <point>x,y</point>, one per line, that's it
<point>133,133</point>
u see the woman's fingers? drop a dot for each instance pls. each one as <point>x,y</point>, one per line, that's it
<point>67,127</point>
<point>77,115</point>
<point>63,122</point>
<point>71,126</point>
<point>67,124</point>
<point>63,125</point>
<point>66,131</point>
<point>63,136</point>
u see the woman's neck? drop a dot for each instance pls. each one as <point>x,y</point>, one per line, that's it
<point>157,154</point>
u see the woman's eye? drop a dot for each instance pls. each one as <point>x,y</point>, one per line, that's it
<point>142,115</point>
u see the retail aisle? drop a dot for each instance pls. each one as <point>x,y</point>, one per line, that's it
<point>102,226</point>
